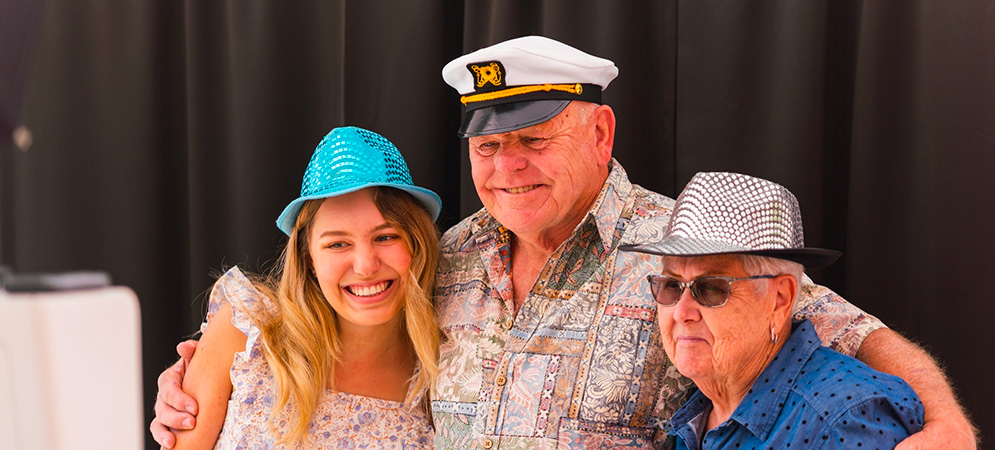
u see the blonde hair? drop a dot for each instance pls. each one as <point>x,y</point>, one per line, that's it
<point>301,343</point>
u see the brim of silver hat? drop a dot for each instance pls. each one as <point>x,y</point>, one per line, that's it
<point>810,257</point>
<point>507,117</point>
<point>429,199</point>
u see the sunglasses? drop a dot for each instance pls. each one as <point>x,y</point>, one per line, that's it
<point>710,292</point>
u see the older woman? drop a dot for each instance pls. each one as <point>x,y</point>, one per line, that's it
<point>733,260</point>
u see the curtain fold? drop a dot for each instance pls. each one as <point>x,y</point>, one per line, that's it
<point>169,135</point>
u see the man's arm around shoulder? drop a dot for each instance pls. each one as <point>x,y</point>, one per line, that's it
<point>947,424</point>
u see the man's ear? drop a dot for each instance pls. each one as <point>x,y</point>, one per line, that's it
<point>604,133</point>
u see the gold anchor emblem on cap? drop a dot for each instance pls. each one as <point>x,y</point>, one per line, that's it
<point>490,73</point>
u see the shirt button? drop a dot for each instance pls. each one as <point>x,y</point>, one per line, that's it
<point>487,443</point>
<point>501,380</point>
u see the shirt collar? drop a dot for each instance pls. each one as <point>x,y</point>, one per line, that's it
<point>686,421</point>
<point>608,207</point>
<point>754,411</point>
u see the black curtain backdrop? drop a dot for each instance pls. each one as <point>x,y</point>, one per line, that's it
<point>168,135</point>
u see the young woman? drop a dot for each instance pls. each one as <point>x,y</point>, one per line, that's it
<point>337,347</point>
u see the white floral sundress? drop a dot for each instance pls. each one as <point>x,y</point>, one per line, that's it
<point>341,421</point>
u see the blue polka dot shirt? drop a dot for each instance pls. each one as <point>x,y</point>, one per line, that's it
<point>809,397</point>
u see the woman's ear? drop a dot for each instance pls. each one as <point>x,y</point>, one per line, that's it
<point>786,287</point>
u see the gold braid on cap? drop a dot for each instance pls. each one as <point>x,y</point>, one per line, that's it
<point>571,88</point>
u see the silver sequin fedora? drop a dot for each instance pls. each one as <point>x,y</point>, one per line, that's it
<point>722,213</point>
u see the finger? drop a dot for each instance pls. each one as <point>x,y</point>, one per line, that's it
<point>172,375</point>
<point>162,435</point>
<point>924,439</point>
<point>174,405</point>
<point>171,391</point>
<point>172,417</point>
<point>186,349</point>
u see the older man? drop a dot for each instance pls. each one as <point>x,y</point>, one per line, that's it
<point>551,338</point>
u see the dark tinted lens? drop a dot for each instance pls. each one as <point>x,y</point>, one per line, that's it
<point>666,290</point>
<point>710,291</point>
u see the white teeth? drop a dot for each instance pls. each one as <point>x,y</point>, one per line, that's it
<point>519,190</point>
<point>367,291</point>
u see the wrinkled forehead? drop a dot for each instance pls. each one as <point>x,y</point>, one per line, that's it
<point>695,266</point>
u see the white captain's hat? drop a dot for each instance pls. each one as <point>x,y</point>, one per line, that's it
<point>524,81</point>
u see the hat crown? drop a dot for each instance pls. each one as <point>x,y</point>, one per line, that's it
<point>348,157</point>
<point>735,212</point>
<point>523,82</point>
<point>530,60</point>
<point>727,213</point>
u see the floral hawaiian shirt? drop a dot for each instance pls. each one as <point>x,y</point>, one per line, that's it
<point>580,365</point>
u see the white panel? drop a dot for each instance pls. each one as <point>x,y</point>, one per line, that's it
<point>70,369</point>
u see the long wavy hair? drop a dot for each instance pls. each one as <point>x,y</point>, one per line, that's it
<point>301,342</point>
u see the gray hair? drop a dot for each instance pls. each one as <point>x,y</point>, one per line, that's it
<point>766,265</point>
<point>584,110</point>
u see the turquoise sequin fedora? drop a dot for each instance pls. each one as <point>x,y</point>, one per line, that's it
<point>349,159</point>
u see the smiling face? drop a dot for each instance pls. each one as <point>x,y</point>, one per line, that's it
<point>541,180</point>
<point>360,261</point>
<point>714,345</point>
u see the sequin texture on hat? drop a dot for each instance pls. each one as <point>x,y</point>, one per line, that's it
<point>721,212</point>
<point>349,159</point>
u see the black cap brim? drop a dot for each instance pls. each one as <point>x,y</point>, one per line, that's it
<point>509,117</point>
<point>810,257</point>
